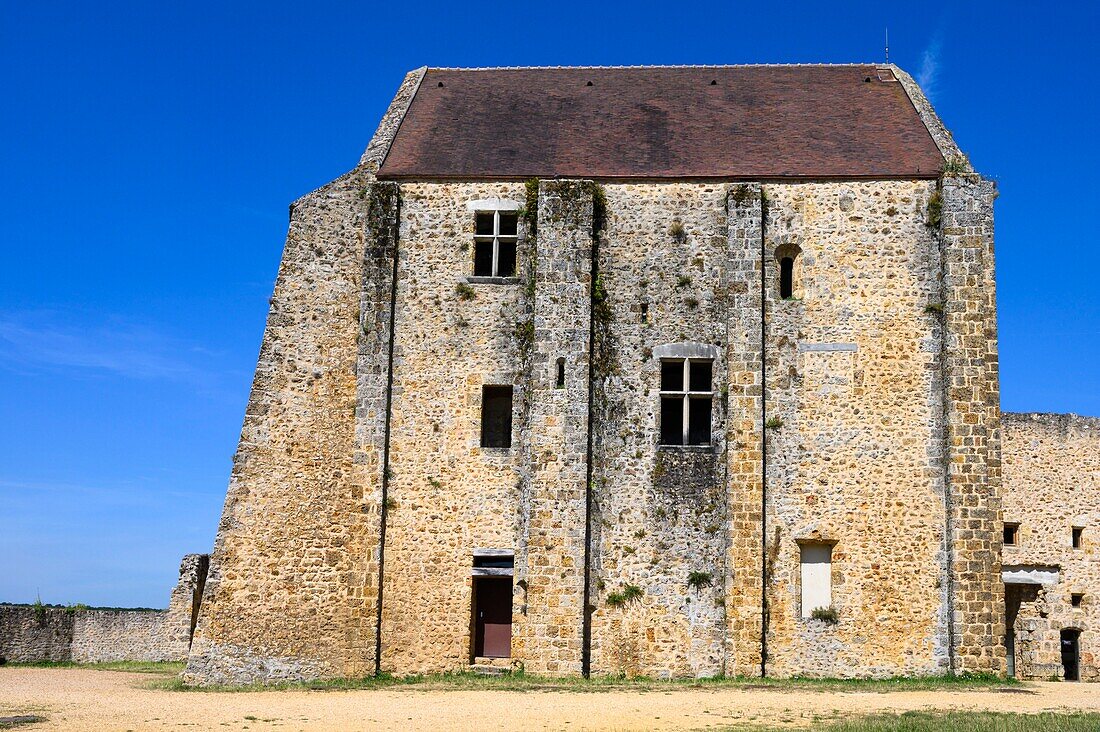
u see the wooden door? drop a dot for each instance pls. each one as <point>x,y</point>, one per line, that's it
<point>493,617</point>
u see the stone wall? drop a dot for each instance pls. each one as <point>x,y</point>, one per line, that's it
<point>361,491</point>
<point>101,635</point>
<point>659,513</point>
<point>288,597</point>
<point>855,423</point>
<point>972,450</point>
<point>28,634</point>
<point>446,494</point>
<point>1052,484</point>
<point>296,575</point>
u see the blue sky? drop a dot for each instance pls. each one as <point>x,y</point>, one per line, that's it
<point>150,150</point>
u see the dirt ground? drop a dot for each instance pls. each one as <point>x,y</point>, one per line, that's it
<point>83,699</point>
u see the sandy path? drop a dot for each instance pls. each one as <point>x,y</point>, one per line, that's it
<point>78,699</point>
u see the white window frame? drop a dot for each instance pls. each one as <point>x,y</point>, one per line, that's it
<point>687,395</point>
<point>496,237</point>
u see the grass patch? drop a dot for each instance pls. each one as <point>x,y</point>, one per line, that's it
<point>520,681</point>
<point>136,667</point>
<point>969,721</point>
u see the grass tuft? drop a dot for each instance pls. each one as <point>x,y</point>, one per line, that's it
<point>969,721</point>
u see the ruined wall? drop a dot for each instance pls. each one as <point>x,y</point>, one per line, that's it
<point>1051,484</point>
<point>144,635</point>
<point>100,635</point>
<point>28,634</point>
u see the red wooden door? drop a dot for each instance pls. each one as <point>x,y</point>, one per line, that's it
<point>493,617</point>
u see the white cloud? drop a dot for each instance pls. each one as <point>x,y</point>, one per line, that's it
<point>40,340</point>
<point>928,75</point>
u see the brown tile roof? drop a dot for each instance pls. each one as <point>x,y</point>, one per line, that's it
<point>662,122</point>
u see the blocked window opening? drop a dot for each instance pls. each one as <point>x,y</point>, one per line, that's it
<point>1076,536</point>
<point>495,237</point>
<point>1076,599</point>
<point>1011,534</point>
<point>560,381</point>
<point>496,416</point>
<point>686,399</point>
<point>816,563</point>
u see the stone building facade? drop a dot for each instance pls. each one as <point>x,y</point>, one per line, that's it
<point>669,372</point>
<point>1051,553</point>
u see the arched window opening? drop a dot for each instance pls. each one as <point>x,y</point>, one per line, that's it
<point>560,383</point>
<point>786,256</point>
<point>786,277</point>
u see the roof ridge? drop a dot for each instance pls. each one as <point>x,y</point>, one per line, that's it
<point>655,66</point>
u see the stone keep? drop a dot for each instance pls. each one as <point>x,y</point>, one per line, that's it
<point>811,235</point>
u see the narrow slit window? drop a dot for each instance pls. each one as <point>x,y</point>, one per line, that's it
<point>816,563</point>
<point>559,382</point>
<point>1076,536</point>
<point>786,278</point>
<point>496,416</point>
<point>495,236</point>
<point>687,395</point>
<point>645,312</point>
<point>1011,534</point>
<point>786,257</point>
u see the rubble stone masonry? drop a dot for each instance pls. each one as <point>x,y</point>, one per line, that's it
<point>1052,485</point>
<point>876,379</point>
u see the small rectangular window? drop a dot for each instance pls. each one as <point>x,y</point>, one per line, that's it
<point>494,561</point>
<point>495,239</point>
<point>509,224</point>
<point>506,259</point>
<point>1076,536</point>
<point>496,416</point>
<point>672,421</point>
<point>817,577</point>
<point>672,375</point>
<point>483,224</point>
<point>1076,599</point>
<point>483,259</point>
<point>699,421</point>
<point>1011,533</point>
<point>686,401</point>
<point>700,375</point>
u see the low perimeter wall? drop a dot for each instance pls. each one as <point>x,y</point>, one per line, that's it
<point>31,634</point>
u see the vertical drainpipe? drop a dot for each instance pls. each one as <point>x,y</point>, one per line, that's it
<point>586,614</point>
<point>384,513</point>
<point>763,439</point>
